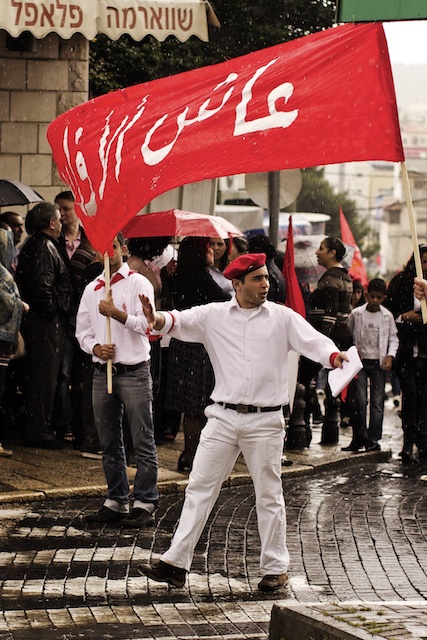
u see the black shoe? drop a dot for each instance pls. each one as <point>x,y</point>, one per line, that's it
<point>44,444</point>
<point>286,462</point>
<point>91,448</point>
<point>138,518</point>
<point>355,445</point>
<point>408,457</point>
<point>183,465</point>
<point>373,446</point>
<point>163,572</point>
<point>104,515</point>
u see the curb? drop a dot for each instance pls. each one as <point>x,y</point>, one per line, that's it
<point>299,622</point>
<point>379,620</point>
<point>167,487</point>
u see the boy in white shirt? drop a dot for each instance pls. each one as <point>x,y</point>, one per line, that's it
<point>375,336</point>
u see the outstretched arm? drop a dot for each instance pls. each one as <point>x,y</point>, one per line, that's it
<point>155,320</point>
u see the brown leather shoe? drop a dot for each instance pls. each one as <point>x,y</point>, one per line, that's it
<point>163,572</point>
<point>273,583</point>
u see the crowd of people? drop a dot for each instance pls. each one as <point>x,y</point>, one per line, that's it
<point>197,338</point>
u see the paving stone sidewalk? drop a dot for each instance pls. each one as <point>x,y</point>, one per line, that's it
<point>357,527</point>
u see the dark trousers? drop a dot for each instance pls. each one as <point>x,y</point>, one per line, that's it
<point>308,370</point>
<point>412,373</point>
<point>45,340</point>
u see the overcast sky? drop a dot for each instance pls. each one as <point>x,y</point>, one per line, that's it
<point>407,41</point>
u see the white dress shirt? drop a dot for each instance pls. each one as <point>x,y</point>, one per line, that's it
<point>249,353</point>
<point>131,339</point>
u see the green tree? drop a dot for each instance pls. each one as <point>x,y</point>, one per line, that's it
<point>246,26</point>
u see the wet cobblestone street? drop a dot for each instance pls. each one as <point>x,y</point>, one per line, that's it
<point>354,535</point>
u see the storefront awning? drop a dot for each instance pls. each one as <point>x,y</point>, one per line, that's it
<point>138,18</point>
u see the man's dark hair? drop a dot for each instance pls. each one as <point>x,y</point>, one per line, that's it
<point>357,285</point>
<point>121,239</point>
<point>65,195</point>
<point>5,216</point>
<point>262,244</point>
<point>377,284</point>
<point>147,248</point>
<point>41,215</point>
<point>192,255</point>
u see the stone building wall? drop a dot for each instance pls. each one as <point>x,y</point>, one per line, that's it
<point>34,89</point>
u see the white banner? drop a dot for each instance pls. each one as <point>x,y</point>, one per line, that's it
<point>138,18</point>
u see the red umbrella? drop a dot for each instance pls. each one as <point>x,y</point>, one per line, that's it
<point>175,222</point>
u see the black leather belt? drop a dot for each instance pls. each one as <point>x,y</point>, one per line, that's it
<point>248,408</point>
<point>118,367</point>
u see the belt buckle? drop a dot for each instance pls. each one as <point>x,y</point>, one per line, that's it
<point>242,408</point>
<point>113,370</point>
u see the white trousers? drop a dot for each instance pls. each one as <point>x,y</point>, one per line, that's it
<point>259,436</point>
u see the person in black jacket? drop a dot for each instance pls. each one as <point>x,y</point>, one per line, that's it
<point>410,363</point>
<point>330,306</point>
<point>45,284</point>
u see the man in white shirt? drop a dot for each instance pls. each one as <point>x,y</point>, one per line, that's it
<point>132,388</point>
<point>248,340</point>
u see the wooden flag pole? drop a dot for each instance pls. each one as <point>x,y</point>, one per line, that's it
<point>418,267</point>
<point>108,323</point>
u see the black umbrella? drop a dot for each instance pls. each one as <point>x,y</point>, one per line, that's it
<point>13,192</point>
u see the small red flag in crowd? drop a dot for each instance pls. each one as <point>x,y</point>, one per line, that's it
<point>357,269</point>
<point>294,297</point>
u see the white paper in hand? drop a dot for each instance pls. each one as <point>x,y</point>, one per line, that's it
<point>339,378</point>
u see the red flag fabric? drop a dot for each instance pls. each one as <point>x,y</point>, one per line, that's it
<point>294,297</point>
<point>357,269</point>
<point>273,109</point>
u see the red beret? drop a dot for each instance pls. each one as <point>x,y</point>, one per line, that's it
<point>244,264</point>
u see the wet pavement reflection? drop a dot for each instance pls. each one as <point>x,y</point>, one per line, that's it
<point>357,534</point>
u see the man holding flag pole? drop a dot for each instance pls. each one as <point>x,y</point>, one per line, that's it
<point>127,347</point>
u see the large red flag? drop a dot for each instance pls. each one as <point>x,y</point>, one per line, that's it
<point>273,109</point>
<point>294,297</point>
<point>357,269</point>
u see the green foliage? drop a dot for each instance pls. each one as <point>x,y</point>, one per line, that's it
<point>246,26</point>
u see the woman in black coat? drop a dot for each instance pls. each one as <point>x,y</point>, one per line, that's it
<point>190,373</point>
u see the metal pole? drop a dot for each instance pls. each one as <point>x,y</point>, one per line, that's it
<point>274,206</point>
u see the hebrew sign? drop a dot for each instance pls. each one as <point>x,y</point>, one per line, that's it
<point>138,18</point>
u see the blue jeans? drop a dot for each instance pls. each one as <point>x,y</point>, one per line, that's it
<point>376,376</point>
<point>132,393</point>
